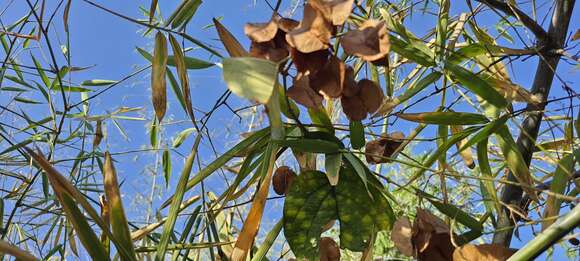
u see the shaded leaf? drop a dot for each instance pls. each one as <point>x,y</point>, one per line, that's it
<point>445,118</point>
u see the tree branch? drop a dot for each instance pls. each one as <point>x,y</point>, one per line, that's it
<point>545,72</point>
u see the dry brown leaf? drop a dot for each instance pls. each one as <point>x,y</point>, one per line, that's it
<point>466,154</point>
<point>268,51</point>
<point>232,45</point>
<point>431,237</point>
<point>439,248</point>
<point>330,79</point>
<point>158,83</point>
<point>313,33</point>
<point>350,87</point>
<point>353,107</point>
<point>98,134</point>
<point>329,250</point>
<point>309,62</point>
<point>282,180</point>
<point>371,95</point>
<point>303,94</point>
<point>485,252</point>
<point>286,24</point>
<point>370,42</point>
<point>335,11</point>
<point>269,39</point>
<point>576,35</point>
<point>427,221</point>
<point>380,150</point>
<point>401,236</point>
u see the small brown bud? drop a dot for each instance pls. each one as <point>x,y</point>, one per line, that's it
<point>282,180</point>
<point>329,250</point>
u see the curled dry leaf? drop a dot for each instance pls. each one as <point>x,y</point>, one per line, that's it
<point>313,33</point>
<point>466,154</point>
<point>431,237</point>
<point>380,150</point>
<point>329,250</point>
<point>329,81</point>
<point>335,11</point>
<point>485,252</point>
<point>303,94</point>
<point>401,236</point>
<point>371,95</point>
<point>370,42</point>
<point>309,62</point>
<point>282,180</point>
<point>350,87</point>
<point>353,107</point>
<point>98,134</point>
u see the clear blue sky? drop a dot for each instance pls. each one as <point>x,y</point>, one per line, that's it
<point>108,43</point>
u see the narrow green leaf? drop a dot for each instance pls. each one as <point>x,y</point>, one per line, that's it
<point>166,162</point>
<point>185,13</point>
<point>357,134</point>
<point>445,118</point>
<point>477,85</point>
<point>311,145</point>
<point>119,223</point>
<point>332,163</point>
<point>562,175</point>
<point>176,202</point>
<point>180,138</point>
<point>260,254</point>
<point>98,82</point>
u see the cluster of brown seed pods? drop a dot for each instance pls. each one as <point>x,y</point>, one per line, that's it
<point>320,73</point>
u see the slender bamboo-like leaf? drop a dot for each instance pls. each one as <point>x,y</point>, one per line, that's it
<point>166,163</point>
<point>158,83</point>
<point>180,138</point>
<point>477,85</point>
<point>97,82</point>
<point>251,78</point>
<point>152,9</point>
<point>515,161</point>
<point>268,241</point>
<point>182,72</point>
<point>485,170</point>
<point>445,118</point>
<point>16,252</point>
<point>118,219</point>
<point>184,14</point>
<point>234,48</point>
<point>311,145</point>
<point>176,201</point>
<point>562,175</point>
<point>465,154</point>
<point>357,134</point>
<point>389,104</point>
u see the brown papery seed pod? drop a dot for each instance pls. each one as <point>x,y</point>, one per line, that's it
<point>282,180</point>
<point>371,95</point>
<point>329,250</point>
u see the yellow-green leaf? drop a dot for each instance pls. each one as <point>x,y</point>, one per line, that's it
<point>234,48</point>
<point>182,72</point>
<point>446,118</point>
<point>250,78</point>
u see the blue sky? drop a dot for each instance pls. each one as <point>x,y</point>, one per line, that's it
<point>108,43</point>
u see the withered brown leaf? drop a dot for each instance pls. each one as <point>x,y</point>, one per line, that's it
<point>313,33</point>
<point>261,32</point>
<point>401,236</point>
<point>369,42</point>
<point>380,150</point>
<point>329,250</point>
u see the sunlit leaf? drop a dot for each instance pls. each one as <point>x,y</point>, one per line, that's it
<point>250,78</point>
<point>158,83</point>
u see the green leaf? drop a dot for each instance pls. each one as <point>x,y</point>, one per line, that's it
<point>119,223</point>
<point>268,242</point>
<point>515,161</point>
<point>26,100</point>
<point>180,138</point>
<point>176,202</point>
<point>410,52</point>
<point>564,172</point>
<point>98,82</point>
<point>166,162</point>
<point>312,202</point>
<point>186,13</point>
<point>445,118</point>
<point>319,117</point>
<point>477,85</point>
<point>485,170</point>
<point>357,134</point>
<point>250,78</point>
<point>311,145</point>
<point>332,163</point>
